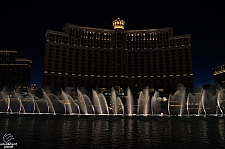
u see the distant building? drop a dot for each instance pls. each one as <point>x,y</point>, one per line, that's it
<point>90,57</point>
<point>33,86</point>
<point>14,70</point>
<point>219,75</point>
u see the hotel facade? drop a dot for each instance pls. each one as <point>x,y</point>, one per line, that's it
<point>94,57</point>
<point>219,75</point>
<point>14,70</point>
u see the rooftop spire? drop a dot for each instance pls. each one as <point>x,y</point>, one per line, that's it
<point>118,23</point>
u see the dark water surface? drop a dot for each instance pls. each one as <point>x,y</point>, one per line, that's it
<point>46,131</point>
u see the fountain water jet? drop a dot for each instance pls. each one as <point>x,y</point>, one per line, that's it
<point>67,103</point>
<point>218,101</point>
<point>72,102</point>
<point>49,103</point>
<point>7,101</point>
<point>141,103</point>
<point>154,102</point>
<point>82,102</point>
<point>114,103</point>
<point>146,102</point>
<point>203,101</point>
<point>129,102</point>
<point>120,104</point>
<point>18,97</point>
<point>188,98</point>
<point>168,104</point>
<point>176,103</point>
<point>103,102</point>
<point>34,102</point>
<point>97,102</point>
<point>88,103</point>
<point>182,100</point>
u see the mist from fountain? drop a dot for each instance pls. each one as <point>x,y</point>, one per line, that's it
<point>18,97</point>
<point>67,103</point>
<point>114,103</point>
<point>72,102</point>
<point>84,102</point>
<point>7,101</point>
<point>202,102</point>
<point>104,104</point>
<point>146,101</point>
<point>89,104</point>
<point>120,104</point>
<point>81,102</point>
<point>129,102</point>
<point>154,103</point>
<point>140,103</point>
<point>178,98</point>
<point>219,96</point>
<point>183,100</point>
<point>34,102</point>
<point>168,104</point>
<point>49,103</point>
<point>56,103</point>
<point>97,103</point>
<point>200,107</point>
<point>188,102</point>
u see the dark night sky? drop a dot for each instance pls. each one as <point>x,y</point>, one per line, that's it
<point>23,26</point>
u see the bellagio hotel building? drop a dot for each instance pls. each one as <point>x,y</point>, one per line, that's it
<point>93,57</point>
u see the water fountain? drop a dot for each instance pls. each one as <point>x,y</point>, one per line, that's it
<point>188,98</point>
<point>143,102</point>
<point>117,106</point>
<point>140,103</point>
<point>97,103</point>
<point>114,103</point>
<point>130,102</point>
<point>168,104</point>
<point>85,103</point>
<point>219,97</point>
<point>81,102</point>
<point>202,103</point>
<point>49,103</point>
<point>35,105</point>
<point>6,99</point>
<point>59,105</point>
<point>67,102</point>
<point>155,105</point>
<point>18,97</point>
<point>182,103</point>
<point>178,104</point>
<point>74,105</point>
<point>120,104</point>
<point>104,104</point>
<point>146,102</point>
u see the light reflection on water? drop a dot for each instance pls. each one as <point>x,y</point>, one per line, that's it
<point>114,131</point>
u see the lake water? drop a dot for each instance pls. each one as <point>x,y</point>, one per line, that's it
<point>48,131</point>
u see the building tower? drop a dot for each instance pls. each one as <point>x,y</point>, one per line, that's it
<point>14,70</point>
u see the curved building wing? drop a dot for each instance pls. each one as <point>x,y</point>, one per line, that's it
<point>94,57</point>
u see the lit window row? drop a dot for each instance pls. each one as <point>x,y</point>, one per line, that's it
<point>86,75</point>
<point>16,65</point>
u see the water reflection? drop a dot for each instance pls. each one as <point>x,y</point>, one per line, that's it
<point>129,133</point>
<point>115,132</point>
<point>221,130</point>
<point>100,128</point>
